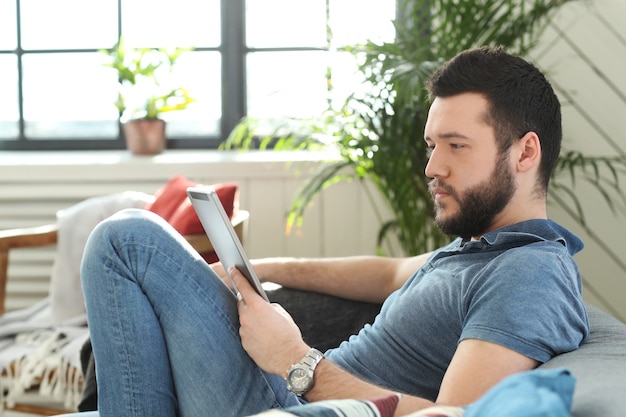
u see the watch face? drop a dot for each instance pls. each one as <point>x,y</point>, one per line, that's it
<point>299,379</point>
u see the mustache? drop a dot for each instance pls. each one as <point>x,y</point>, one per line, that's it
<point>437,184</point>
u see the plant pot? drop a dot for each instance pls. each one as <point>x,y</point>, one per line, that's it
<point>145,136</point>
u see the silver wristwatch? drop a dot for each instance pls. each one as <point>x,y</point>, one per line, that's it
<point>300,375</point>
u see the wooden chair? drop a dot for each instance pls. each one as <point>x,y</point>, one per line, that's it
<point>47,235</point>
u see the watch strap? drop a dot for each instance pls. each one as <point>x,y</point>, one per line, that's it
<point>312,358</point>
<point>309,363</point>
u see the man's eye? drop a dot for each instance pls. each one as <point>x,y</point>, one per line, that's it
<point>457,145</point>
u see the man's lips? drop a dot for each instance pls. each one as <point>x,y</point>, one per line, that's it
<point>439,193</point>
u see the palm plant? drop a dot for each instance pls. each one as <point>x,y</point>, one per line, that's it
<point>378,134</point>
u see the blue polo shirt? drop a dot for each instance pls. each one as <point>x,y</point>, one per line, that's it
<point>517,286</point>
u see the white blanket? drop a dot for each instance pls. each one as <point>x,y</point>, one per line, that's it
<point>41,344</point>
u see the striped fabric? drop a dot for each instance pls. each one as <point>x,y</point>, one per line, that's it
<point>379,407</point>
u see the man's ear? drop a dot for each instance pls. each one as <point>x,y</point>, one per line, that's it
<point>528,151</point>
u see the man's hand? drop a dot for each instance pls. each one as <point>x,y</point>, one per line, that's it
<point>268,333</point>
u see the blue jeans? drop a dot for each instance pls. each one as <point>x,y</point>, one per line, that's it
<point>165,328</point>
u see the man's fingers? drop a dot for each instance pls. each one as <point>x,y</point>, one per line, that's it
<point>245,290</point>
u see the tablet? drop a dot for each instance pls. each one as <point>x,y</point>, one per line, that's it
<point>222,235</point>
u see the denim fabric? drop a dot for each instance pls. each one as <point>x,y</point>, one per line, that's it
<point>166,347</point>
<point>325,321</point>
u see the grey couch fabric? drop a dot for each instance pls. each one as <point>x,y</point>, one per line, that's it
<point>599,366</point>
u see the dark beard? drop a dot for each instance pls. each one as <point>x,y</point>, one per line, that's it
<point>480,204</point>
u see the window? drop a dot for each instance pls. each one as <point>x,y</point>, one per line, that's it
<point>264,58</point>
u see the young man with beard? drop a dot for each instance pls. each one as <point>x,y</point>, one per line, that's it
<point>171,339</point>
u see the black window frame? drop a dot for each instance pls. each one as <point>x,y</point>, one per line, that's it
<point>233,50</point>
<point>233,53</point>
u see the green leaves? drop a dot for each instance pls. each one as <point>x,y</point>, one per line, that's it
<point>145,77</point>
<point>176,99</point>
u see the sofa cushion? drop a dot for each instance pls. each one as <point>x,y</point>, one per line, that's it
<point>599,367</point>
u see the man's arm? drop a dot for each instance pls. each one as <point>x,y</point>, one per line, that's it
<point>361,278</point>
<point>274,342</point>
<point>475,368</point>
<point>332,382</point>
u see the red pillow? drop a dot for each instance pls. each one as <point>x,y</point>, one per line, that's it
<point>172,204</point>
<point>170,196</point>
<point>185,220</point>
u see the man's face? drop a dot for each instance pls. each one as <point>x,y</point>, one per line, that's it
<point>471,182</point>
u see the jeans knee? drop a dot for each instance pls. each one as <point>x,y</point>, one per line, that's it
<point>124,229</point>
<point>121,228</point>
<point>128,222</point>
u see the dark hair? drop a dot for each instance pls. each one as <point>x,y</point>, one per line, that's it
<point>520,97</point>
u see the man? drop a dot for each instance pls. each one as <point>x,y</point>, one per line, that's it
<point>171,339</point>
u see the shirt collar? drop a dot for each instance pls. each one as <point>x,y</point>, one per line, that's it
<point>529,231</point>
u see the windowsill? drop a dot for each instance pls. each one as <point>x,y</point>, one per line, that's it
<point>172,156</point>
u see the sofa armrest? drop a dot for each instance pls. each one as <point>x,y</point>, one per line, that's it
<point>201,242</point>
<point>28,237</point>
<point>599,366</point>
<point>21,238</point>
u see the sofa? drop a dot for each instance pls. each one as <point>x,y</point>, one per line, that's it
<point>598,366</point>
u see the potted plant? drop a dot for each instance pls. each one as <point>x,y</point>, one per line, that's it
<point>146,91</point>
<point>378,134</point>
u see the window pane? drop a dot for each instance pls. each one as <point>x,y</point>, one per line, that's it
<point>162,23</point>
<point>356,21</point>
<point>286,84</point>
<point>69,96</point>
<point>68,24</point>
<point>8,27</point>
<point>346,79</point>
<point>200,73</point>
<point>285,23</point>
<point>9,113</point>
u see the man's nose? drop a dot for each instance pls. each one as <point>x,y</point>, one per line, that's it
<point>436,166</point>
